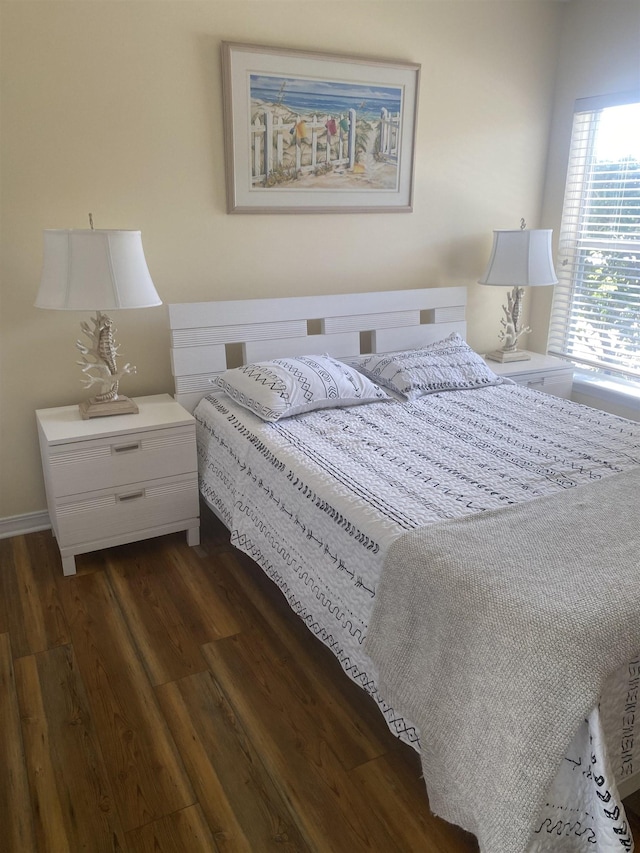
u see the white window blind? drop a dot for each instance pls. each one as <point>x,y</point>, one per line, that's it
<point>595,319</point>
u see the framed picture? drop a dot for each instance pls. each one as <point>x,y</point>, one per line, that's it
<point>317,133</point>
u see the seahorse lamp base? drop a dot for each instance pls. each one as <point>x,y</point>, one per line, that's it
<point>101,409</point>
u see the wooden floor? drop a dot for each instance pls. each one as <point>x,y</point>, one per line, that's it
<point>166,699</point>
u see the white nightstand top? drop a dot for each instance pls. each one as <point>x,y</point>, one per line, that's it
<point>538,363</point>
<point>65,424</point>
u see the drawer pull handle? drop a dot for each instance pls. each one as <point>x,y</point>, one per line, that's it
<point>131,496</point>
<point>125,448</point>
<point>533,382</point>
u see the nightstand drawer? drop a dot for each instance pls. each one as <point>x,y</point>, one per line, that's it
<point>540,372</point>
<point>114,461</point>
<point>135,507</point>
<point>119,479</point>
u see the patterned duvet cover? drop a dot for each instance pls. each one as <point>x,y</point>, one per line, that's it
<point>317,499</point>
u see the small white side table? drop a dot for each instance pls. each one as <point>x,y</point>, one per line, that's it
<point>542,372</point>
<point>119,479</point>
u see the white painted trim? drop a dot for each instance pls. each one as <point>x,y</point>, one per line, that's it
<point>615,391</point>
<point>628,785</point>
<point>29,522</point>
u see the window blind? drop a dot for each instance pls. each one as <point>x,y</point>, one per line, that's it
<point>595,318</point>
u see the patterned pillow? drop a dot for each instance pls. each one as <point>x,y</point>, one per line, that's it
<point>447,365</point>
<point>289,386</point>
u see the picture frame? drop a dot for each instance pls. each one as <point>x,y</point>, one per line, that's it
<point>311,132</point>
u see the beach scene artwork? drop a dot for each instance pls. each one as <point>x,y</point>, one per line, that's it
<point>318,134</point>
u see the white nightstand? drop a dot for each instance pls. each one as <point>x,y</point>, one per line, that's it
<point>119,479</point>
<point>542,372</point>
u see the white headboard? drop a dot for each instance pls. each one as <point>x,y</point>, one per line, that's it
<point>209,337</point>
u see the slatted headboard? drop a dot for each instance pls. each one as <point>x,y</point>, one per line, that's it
<point>209,337</point>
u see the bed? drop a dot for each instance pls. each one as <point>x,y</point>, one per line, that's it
<point>319,499</point>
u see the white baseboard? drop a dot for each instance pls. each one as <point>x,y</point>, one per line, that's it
<point>30,522</point>
<point>628,785</point>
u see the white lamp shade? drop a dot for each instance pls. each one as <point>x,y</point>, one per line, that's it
<point>88,270</point>
<point>521,259</point>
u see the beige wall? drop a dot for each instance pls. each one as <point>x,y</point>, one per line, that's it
<point>599,54</point>
<point>114,108</point>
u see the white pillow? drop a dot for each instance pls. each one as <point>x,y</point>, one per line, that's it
<point>289,386</point>
<point>447,365</point>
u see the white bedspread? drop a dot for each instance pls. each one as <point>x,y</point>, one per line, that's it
<point>318,499</point>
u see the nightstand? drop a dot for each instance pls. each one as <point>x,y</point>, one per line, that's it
<point>542,372</point>
<point>119,479</point>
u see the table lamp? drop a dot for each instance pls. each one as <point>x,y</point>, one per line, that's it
<point>519,259</point>
<point>94,269</point>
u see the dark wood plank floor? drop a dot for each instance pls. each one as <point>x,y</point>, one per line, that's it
<point>166,699</point>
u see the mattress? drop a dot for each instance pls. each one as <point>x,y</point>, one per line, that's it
<point>317,499</point>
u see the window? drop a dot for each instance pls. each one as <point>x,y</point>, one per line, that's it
<point>595,319</point>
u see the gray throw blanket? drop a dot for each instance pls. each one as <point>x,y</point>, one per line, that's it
<point>495,632</point>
